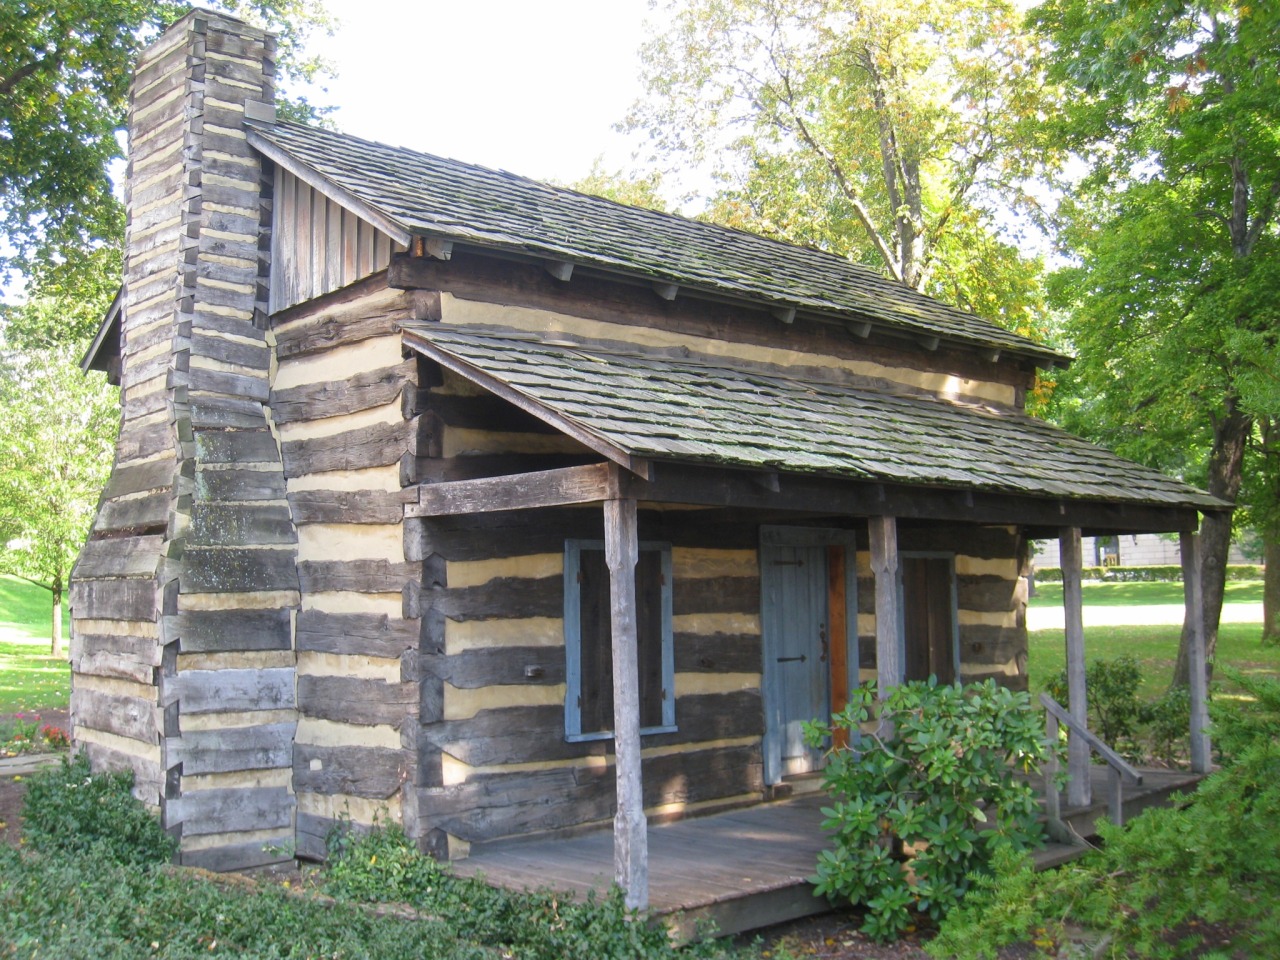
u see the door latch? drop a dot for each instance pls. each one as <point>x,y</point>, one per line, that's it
<point>801,658</point>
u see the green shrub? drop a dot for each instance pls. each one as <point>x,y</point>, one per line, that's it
<point>1174,882</point>
<point>920,805</point>
<point>1170,573</point>
<point>1115,709</point>
<point>1168,724</point>
<point>383,866</point>
<point>70,810</point>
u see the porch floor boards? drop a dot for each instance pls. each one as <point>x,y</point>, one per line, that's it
<point>746,868</point>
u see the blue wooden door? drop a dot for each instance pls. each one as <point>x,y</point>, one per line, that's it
<point>796,678</point>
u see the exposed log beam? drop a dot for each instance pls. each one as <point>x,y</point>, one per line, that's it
<point>929,343</point>
<point>544,488</point>
<point>667,291</point>
<point>831,496</point>
<point>784,314</point>
<point>1079,787</point>
<point>859,328</point>
<point>438,248</point>
<point>1193,591</point>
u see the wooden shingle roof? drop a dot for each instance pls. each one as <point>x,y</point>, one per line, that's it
<point>714,412</point>
<point>416,194</point>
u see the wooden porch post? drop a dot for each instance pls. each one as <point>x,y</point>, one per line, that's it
<point>1079,787</point>
<point>1199,675</point>
<point>884,564</point>
<point>630,839</point>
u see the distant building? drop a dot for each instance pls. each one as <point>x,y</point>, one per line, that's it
<point>1125,549</point>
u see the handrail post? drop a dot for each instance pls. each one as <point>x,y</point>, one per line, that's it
<point>1052,800</point>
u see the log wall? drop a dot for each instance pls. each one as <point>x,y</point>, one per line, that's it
<point>183,667</point>
<point>346,407</point>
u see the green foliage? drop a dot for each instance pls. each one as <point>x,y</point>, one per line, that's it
<point>381,865</point>
<point>70,811</point>
<point>65,67</point>
<point>1115,709</point>
<point>1241,721</point>
<point>77,908</point>
<point>1175,882</point>
<point>1168,723</point>
<point>1166,573</point>
<point>920,807</point>
<point>887,131</point>
<point>634,189</point>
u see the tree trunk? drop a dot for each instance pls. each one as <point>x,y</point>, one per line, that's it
<point>1230,433</point>
<point>55,647</point>
<point>1271,587</point>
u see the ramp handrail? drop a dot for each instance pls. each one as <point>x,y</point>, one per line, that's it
<point>1119,769</point>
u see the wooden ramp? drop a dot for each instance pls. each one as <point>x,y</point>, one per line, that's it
<point>742,870</point>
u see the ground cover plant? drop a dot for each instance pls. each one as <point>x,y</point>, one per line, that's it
<point>1140,594</point>
<point>93,879</point>
<point>30,679</point>
<point>1199,879</point>
<point>924,795</point>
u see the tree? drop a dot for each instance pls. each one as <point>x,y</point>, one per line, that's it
<point>1175,299</point>
<point>59,428</point>
<point>65,68</point>
<point>629,187</point>
<point>887,131</point>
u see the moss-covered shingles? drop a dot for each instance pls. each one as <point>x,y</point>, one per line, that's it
<point>703,412</point>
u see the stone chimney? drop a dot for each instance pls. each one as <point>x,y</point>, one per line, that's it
<point>183,598</point>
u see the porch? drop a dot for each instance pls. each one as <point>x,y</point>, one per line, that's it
<point>746,868</point>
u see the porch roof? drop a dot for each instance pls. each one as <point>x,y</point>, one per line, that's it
<point>712,411</point>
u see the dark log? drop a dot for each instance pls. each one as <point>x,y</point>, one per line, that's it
<point>254,356</point>
<point>355,634</point>
<point>355,700</point>
<point>230,810</point>
<point>235,484</point>
<point>124,716</point>
<point>300,341</point>
<point>374,446</point>
<point>372,772</point>
<point>224,631</point>
<point>265,747</point>
<point>240,524</point>
<point>225,412</point>
<point>231,691</point>
<point>718,653</point>
<point>236,446</point>
<point>986,594</point>
<point>715,595</point>
<point>494,666</point>
<point>114,599</point>
<point>502,598</point>
<point>348,506</point>
<point>238,570</point>
<point>361,391</point>
<point>361,576</point>
<point>144,514</point>
<point>154,475</point>
<point>119,557</point>
<point>240,856</point>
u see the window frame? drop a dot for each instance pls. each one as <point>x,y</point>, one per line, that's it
<point>573,641</point>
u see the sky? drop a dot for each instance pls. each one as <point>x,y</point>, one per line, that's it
<point>528,86</point>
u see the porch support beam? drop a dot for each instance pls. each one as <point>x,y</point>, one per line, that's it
<point>884,564</point>
<point>543,488</point>
<point>1194,594</point>
<point>630,837</point>
<point>1079,787</point>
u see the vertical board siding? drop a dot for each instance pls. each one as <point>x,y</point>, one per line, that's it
<point>322,246</point>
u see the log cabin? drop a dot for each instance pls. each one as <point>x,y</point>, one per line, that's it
<point>446,497</point>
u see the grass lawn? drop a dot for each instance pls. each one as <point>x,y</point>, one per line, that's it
<point>30,679</point>
<point>1139,594</point>
<point>1155,647</point>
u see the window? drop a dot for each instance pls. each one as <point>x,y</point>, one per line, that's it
<point>588,702</point>
<point>928,617</point>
